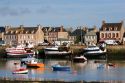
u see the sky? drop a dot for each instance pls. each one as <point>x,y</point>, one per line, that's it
<point>69,13</point>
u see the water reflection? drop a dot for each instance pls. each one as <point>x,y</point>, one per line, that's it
<point>88,70</point>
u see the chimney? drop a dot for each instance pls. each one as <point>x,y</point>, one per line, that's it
<point>7,28</point>
<point>122,21</point>
<point>21,26</point>
<point>103,22</point>
<point>61,29</point>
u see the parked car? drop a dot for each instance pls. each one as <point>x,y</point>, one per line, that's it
<point>111,42</point>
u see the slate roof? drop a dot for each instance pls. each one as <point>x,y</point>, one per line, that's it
<point>45,29</point>
<point>108,26</point>
<point>2,29</point>
<point>57,29</point>
<point>24,30</point>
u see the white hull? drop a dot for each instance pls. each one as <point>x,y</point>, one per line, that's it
<point>99,52</point>
<point>20,72</point>
<point>18,54</point>
<point>56,52</point>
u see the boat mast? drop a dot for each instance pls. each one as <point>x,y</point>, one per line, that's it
<point>81,35</point>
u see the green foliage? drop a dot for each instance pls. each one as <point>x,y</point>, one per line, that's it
<point>78,39</point>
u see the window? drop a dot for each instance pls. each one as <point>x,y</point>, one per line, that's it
<point>113,35</point>
<point>102,35</point>
<point>109,35</point>
<point>117,35</point>
<point>116,28</point>
<point>106,35</point>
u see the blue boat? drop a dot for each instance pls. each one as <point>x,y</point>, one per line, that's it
<point>60,68</point>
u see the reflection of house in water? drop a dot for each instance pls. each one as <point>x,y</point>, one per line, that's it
<point>61,62</point>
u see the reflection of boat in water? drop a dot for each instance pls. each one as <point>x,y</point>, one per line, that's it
<point>80,58</point>
<point>27,60</point>
<point>37,70</point>
<point>58,67</point>
<point>34,64</point>
<point>20,71</point>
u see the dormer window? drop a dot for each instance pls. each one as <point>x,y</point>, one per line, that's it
<point>26,31</point>
<point>104,28</point>
<point>116,28</point>
<point>110,28</point>
<point>16,31</point>
<point>32,31</point>
<point>7,32</point>
<point>11,32</point>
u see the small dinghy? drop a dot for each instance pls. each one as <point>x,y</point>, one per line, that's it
<point>35,64</point>
<point>20,71</point>
<point>58,67</point>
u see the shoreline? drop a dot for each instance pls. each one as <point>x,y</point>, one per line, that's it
<point>113,52</point>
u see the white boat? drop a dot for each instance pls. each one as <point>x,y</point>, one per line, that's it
<point>94,50</point>
<point>79,59</point>
<point>97,52</point>
<point>20,71</point>
<point>18,51</point>
<point>91,48</point>
<point>55,51</point>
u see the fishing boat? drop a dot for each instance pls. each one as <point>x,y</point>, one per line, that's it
<point>58,67</point>
<point>20,71</point>
<point>18,51</point>
<point>80,58</point>
<point>94,50</point>
<point>34,64</point>
<point>55,50</point>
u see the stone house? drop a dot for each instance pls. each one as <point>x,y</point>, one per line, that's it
<point>111,31</point>
<point>90,36</point>
<point>21,35</point>
<point>57,33</point>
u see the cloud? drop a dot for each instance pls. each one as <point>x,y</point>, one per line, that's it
<point>9,11</point>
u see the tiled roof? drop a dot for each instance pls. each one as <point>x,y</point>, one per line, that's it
<point>2,29</point>
<point>111,26</point>
<point>45,29</point>
<point>57,29</point>
<point>24,30</point>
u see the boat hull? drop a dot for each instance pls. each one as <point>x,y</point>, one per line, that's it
<point>61,68</point>
<point>20,71</point>
<point>56,52</point>
<point>36,65</point>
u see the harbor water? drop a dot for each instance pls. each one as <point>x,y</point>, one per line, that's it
<point>91,70</point>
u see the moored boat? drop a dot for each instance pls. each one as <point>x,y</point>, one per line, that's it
<point>34,64</point>
<point>95,51</point>
<point>79,59</point>
<point>58,67</point>
<point>19,51</point>
<point>20,71</point>
<point>55,50</point>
